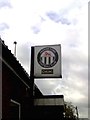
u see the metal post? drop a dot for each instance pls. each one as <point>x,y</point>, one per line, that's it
<point>0,78</point>
<point>15,48</point>
<point>32,74</point>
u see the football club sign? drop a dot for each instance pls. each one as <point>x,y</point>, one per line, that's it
<point>47,61</point>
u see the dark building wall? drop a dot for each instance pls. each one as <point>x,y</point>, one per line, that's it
<point>48,112</point>
<point>12,88</point>
<point>0,82</point>
<point>15,84</point>
<point>6,91</point>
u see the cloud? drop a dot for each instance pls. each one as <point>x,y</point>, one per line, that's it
<point>83,112</point>
<point>23,55</point>
<point>3,26</point>
<point>36,29</point>
<point>5,3</point>
<point>76,65</point>
<point>57,18</point>
<point>46,85</point>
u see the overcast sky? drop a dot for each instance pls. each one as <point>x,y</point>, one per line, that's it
<point>49,22</point>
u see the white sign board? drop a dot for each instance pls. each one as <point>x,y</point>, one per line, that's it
<point>47,61</point>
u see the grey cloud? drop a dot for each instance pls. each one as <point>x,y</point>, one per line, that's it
<point>61,15</point>
<point>83,103</point>
<point>75,67</point>
<point>58,18</point>
<point>53,16</point>
<point>42,19</point>
<point>46,86</point>
<point>80,61</point>
<point>36,29</point>
<point>83,111</point>
<point>72,38</point>
<point>5,3</point>
<point>64,21</point>
<point>76,58</point>
<point>3,26</point>
<point>23,54</point>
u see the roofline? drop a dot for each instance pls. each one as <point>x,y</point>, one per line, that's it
<point>14,72</point>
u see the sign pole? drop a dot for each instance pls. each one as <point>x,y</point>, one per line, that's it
<point>32,74</point>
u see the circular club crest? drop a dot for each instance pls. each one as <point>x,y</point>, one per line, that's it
<point>47,57</point>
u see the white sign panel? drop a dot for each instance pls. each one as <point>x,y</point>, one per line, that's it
<point>47,61</point>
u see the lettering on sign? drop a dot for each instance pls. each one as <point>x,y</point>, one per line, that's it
<point>47,71</point>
